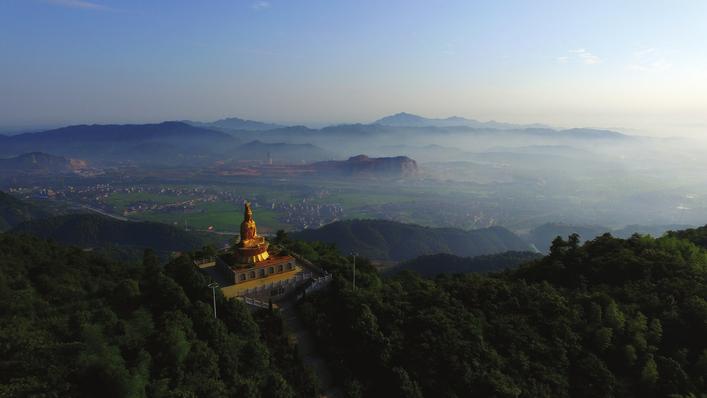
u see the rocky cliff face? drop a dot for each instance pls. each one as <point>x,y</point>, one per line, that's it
<point>362,165</point>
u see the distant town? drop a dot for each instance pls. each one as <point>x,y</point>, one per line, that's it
<point>138,201</point>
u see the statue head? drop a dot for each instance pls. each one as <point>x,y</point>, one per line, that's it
<point>248,212</point>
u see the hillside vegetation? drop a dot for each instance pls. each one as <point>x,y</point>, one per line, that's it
<point>389,240</point>
<point>443,263</point>
<point>609,318</point>
<point>73,324</point>
<point>92,230</point>
<point>14,211</point>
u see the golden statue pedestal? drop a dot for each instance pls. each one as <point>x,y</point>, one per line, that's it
<point>252,252</point>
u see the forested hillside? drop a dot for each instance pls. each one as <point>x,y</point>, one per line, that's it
<point>92,230</point>
<point>443,263</point>
<point>14,211</point>
<point>389,240</point>
<point>73,324</point>
<point>609,318</point>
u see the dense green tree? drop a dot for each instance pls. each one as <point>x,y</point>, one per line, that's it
<point>611,317</point>
<point>76,324</point>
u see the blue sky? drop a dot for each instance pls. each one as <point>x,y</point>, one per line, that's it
<point>636,65</point>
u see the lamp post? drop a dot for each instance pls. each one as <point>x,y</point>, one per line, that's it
<point>214,286</point>
<point>354,254</point>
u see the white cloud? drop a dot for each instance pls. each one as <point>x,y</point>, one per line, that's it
<point>648,60</point>
<point>86,5</point>
<point>260,5</point>
<point>580,55</point>
<point>586,57</point>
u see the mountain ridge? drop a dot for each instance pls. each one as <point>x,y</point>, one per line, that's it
<point>404,119</point>
<point>390,240</point>
<point>142,142</point>
<point>236,123</point>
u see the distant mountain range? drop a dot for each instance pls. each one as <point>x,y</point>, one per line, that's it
<point>234,123</point>
<point>167,141</point>
<point>389,240</point>
<point>403,119</point>
<point>392,123</point>
<point>374,131</point>
<point>198,144</point>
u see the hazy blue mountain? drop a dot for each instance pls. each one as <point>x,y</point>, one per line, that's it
<point>404,119</point>
<point>372,131</point>
<point>14,211</point>
<point>170,141</point>
<point>582,133</point>
<point>235,123</point>
<point>389,240</point>
<point>280,152</point>
<point>444,263</point>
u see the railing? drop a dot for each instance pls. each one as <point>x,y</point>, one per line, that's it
<point>202,261</point>
<point>255,302</point>
<point>282,283</point>
<point>317,284</point>
<point>308,263</point>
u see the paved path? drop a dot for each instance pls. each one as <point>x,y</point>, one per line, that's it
<point>308,352</point>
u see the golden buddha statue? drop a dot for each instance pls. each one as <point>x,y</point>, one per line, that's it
<point>249,234</point>
<point>251,248</point>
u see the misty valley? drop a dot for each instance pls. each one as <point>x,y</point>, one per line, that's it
<point>452,172</point>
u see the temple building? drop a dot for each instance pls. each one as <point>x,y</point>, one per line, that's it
<point>249,258</point>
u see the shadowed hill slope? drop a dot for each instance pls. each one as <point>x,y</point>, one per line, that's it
<point>444,263</point>
<point>14,211</point>
<point>90,230</point>
<point>389,240</point>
